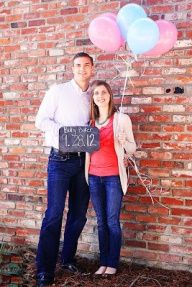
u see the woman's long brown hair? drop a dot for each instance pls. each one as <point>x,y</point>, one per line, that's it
<point>94,112</point>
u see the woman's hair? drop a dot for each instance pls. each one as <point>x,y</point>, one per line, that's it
<point>94,108</point>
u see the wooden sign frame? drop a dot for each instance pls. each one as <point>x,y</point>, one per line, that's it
<point>78,139</point>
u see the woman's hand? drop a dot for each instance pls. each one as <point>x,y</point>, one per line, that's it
<point>121,137</point>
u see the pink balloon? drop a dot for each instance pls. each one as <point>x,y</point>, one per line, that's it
<point>105,34</point>
<point>167,39</point>
<point>113,17</point>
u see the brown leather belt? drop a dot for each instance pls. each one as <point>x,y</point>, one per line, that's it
<point>67,154</point>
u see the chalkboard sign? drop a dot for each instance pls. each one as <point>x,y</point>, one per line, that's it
<point>78,138</point>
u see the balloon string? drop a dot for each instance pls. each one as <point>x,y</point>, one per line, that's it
<point>127,77</point>
<point>143,179</point>
<point>125,84</point>
<point>122,98</point>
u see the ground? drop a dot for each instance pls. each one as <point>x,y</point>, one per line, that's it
<point>129,275</point>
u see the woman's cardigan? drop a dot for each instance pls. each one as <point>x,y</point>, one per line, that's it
<point>121,123</point>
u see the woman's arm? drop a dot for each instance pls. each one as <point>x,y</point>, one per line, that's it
<point>125,134</point>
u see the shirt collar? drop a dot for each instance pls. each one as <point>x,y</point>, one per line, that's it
<point>77,88</point>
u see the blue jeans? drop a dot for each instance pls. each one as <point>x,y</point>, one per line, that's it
<point>63,175</point>
<point>106,196</point>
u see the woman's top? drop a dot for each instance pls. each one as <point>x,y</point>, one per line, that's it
<point>121,122</point>
<point>104,161</point>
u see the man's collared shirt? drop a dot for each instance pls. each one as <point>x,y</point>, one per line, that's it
<point>63,105</point>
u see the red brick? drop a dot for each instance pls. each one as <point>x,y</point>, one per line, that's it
<point>149,128</point>
<point>68,11</point>
<point>144,255</point>
<point>126,216</point>
<point>26,31</point>
<point>134,226</point>
<point>16,213</point>
<point>35,183</point>
<point>159,172</point>
<point>137,189</point>
<point>184,156</point>
<point>146,218</point>
<point>158,210</point>
<point>161,9</point>
<point>150,237</point>
<point>181,231</point>
<point>172,201</point>
<point>20,134</point>
<point>139,244</point>
<point>188,183</point>
<point>156,228</point>
<point>126,252</point>
<point>147,199</point>
<point>36,23</point>
<point>150,163</point>
<point>181,212</point>
<point>135,208</point>
<point>160,247</point>
<point>173,128</point>
<point>161,155</point>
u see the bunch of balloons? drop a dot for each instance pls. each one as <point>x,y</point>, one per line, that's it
<point>143,35</point>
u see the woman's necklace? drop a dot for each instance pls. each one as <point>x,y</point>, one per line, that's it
<point>103,122</point>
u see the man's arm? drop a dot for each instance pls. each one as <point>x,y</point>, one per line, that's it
<point>45,117</point>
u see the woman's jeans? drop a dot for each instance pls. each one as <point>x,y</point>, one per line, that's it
<point>106,196</point>
<point>64,174</point>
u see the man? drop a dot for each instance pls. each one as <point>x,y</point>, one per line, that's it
<point>64,105</point>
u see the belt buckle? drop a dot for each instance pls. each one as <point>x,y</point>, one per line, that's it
<point>66,155</point>
<point>79,153</point>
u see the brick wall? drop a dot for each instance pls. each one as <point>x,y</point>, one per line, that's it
<point>37,41</point>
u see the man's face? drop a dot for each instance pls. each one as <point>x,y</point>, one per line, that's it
<point>82,69</point>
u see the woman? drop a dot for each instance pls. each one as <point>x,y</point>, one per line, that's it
<point>106,173</point>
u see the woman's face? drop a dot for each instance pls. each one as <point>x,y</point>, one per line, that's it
<point>101,96</point>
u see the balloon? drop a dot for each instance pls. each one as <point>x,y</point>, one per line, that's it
<point>105,34</point>
<point>127,15</point>
<point>112,16</point>
<point>168,37</point>
<point>142,35</point>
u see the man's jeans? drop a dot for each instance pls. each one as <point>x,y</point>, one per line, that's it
<point>106,196</point>
<point>63,175</point>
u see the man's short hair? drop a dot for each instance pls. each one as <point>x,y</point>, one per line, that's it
<point>82,54</point>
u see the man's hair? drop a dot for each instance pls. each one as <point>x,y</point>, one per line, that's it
<point>82,54</point>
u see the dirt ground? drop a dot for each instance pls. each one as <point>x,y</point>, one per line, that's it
<point>129,275</point>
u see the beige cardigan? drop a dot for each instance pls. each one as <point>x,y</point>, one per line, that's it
<point>121,122</point>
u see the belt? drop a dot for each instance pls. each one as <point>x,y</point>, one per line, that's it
<point>67,154</point>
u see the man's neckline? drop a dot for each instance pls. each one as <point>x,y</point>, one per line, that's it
<point>75,84</point>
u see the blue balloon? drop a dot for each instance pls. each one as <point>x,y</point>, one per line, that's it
<point>142,35</point>
<point>127,15</point>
